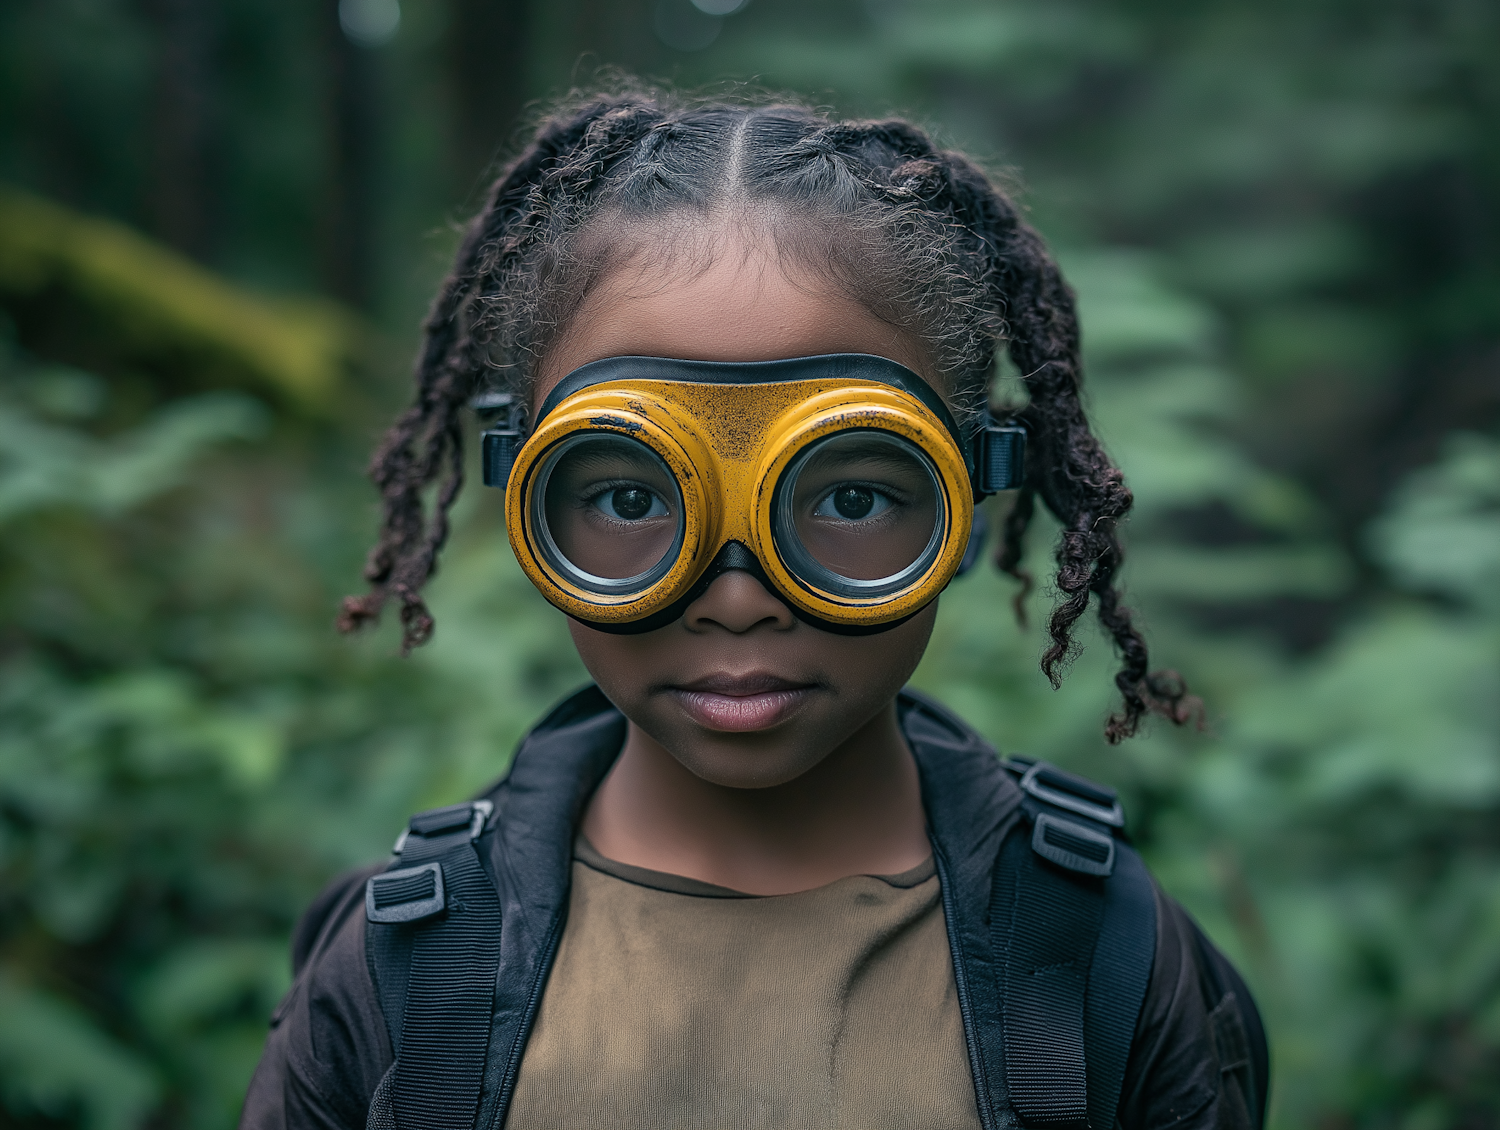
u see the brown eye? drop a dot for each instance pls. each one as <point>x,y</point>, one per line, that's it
<point>853,503</point>
<point>630,504</point>
<point>859,513</point>
<point>608,511</point>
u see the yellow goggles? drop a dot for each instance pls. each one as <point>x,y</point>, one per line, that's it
<point>841,482</point>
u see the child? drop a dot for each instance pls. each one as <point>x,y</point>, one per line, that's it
<point>746,880</point>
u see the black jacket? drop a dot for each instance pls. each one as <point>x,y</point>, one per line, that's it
<point>1196,1058</point>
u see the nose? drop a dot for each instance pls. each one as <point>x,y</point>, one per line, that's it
<point>737,602</point>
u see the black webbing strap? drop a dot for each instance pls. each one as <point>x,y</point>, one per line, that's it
<point>1046,922</point>
<point>438,1003</point>
<point>1074,927</point>
<point>1117,982</point>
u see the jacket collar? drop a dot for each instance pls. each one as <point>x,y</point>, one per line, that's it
<point>971,804</point>
<point>968,797</point>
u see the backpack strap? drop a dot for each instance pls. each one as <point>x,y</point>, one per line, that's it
<point>433,945</point>
<point>1073,916</point>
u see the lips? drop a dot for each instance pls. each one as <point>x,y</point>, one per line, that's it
<point>741,703</point>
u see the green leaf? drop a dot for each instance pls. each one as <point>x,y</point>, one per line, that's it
<point>1442,531</point>
<point>44,465</point>
<point>55,1062</point>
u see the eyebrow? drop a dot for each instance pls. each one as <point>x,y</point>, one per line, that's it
<point>613,459</point>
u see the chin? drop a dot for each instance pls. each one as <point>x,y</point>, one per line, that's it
<point>739,761</point>
<point>745,776</point>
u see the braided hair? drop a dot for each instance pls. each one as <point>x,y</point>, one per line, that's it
<point>918,235</point>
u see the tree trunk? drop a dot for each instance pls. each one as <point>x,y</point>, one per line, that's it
<point>183,205</point>
<point>348,227</point>
<point>487,52</point>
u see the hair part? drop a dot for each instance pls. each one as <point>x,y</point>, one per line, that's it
<point>917,235</point>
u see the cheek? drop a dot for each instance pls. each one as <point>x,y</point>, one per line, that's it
<point>623,666</point>
<point>879,665</point>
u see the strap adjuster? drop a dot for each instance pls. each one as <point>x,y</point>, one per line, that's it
<point>501,413</point>
<point>1061,789</point>
<point>1072,845</point>
<point>411,894</point>
<point>999,456</point>
<point>407,895</point>
<point>440,821</point>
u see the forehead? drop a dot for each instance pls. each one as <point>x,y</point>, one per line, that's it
<point>745,303</point>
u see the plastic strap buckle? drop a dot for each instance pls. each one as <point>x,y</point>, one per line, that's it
<point>1000,457</point>
<point>1086,846</point>
<point>1070,844</point>
<point>1064,790</point>
<point>411,894</point>
<point>407,895</point>
<point>435,822</point>
<point>499,444</point>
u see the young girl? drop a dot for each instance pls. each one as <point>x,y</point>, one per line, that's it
<point>745,880</point>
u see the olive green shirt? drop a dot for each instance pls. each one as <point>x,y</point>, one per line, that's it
<point>675,1003</point>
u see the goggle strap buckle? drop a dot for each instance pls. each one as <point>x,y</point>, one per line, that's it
<point>1000,462</point>
<point>498,445</point>
<point>497,454</point>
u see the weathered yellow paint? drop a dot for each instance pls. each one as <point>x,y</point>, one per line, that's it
<point>727,445</point>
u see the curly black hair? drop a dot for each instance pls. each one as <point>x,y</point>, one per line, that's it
<point>919,235</point>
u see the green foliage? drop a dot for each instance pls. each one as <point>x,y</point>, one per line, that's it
<point>187,750</point>
<point>56,1062</point>
<point>1442,533</point>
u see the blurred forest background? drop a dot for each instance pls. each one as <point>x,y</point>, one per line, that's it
<point>220,221</point>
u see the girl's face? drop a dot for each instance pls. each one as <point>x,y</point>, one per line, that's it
<point>738,690</point>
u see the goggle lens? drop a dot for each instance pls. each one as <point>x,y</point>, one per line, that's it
<point>860,514</point>
<point>609,513</point>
